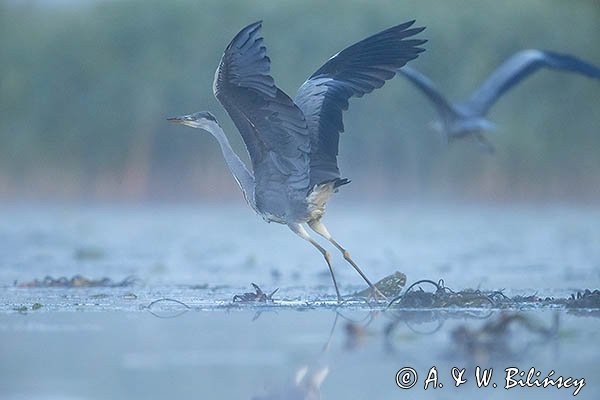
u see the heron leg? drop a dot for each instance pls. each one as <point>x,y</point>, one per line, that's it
<point>300,231</point>
<point>318,227</point>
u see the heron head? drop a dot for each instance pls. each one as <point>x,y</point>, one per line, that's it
<point>200,120</point>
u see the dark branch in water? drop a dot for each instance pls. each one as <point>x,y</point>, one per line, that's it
<point>77,281</point>
<point>166,316</point>
<point>257,297</point>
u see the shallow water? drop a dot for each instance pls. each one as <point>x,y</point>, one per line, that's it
<point>239,355</point>
<point>98,343</point>
<point>493,247</point>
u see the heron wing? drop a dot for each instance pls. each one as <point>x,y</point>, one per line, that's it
<point>272,126</point>
<point>354,71</point>
<point>517,68</point>
<point>422,82</point>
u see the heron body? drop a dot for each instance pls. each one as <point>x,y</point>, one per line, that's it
<point>319,195</point>
<point>467,119</point>
<point>293,144</point>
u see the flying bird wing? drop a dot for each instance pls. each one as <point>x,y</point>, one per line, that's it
<point>272,127</point>
<point>354,71</point>
<point>442,106</point>
<point>517,68</point>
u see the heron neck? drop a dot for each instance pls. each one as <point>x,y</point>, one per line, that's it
<point>243,177</point>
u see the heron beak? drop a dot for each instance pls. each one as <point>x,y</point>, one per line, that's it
<point>182,120</point>
<point>176,120</point>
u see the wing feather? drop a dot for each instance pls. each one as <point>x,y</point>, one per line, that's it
<point>520,66</point>
<point>272,126</point>
<point>422,82</point>
<point>353,72</point>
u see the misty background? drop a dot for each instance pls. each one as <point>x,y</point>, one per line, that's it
<point>85,87</point>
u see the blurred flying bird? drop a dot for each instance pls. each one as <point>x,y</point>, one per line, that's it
<point>467,119</point>
<point>293,144</point>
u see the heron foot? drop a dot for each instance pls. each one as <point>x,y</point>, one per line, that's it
<point>377,295</point>
<point>375,292</point>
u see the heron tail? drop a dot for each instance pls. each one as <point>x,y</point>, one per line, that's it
<point>340,182</point>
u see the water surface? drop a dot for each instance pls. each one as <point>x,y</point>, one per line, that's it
<point>103,342</point>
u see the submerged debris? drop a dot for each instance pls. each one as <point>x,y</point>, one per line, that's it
<point>89,254</point>
<point>76,281</point>
<point>390,286</point>
<point>443,297</point>
<point>585,299</point>
<point>258,297</point>
<point>495,339</point>
<point>24,309</point>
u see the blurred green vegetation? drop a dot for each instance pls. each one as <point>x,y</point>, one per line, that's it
<point>85,88</point>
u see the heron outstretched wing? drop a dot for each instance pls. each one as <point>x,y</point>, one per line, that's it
<point>354,71</point>
<point>443,107</point>
<point>518,67</point>
<point>272,126</point>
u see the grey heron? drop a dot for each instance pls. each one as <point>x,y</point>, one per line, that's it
<point>467,119</point>
<point>293,144</point>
